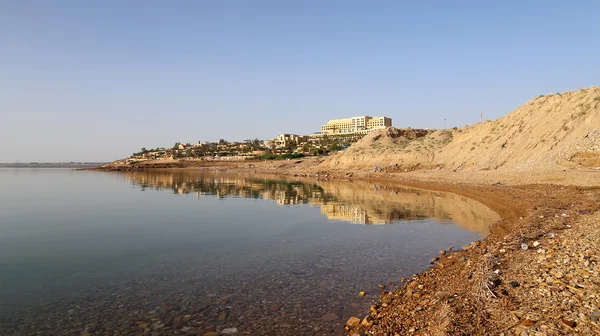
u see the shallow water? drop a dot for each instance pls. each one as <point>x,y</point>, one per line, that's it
<point>194,252</point>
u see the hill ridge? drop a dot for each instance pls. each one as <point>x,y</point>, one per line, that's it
<point>554,131</point>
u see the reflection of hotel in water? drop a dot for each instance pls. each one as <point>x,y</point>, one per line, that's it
<point>361,203</point>
<point>284,193</point>
<point>350,213</point>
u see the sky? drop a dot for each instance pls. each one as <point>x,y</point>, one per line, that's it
<point>98,80</point>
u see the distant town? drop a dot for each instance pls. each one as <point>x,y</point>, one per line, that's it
<point>335,135</point>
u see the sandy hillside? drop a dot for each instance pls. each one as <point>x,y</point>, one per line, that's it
<point>555,131</point>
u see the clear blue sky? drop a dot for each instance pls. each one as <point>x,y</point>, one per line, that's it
<point>97,80</point>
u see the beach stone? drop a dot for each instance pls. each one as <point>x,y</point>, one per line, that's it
<point>275,307</point>
<point>367,321</point>
<point>329,317</point>
<point>229,331</point>
<point>353,322</point>
<point>557,274</point>
<point>528,323</point>
<point>568,323</point>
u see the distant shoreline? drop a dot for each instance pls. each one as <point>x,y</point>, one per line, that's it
<point>51,165</point>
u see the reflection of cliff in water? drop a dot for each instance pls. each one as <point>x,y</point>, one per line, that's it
<point>355,202</point>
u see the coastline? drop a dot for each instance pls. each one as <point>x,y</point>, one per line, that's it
<point>532,274</point>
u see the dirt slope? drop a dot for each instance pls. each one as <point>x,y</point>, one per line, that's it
<point>548,132</point>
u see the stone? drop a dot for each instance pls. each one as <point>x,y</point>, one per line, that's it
<point>211,333</point>
<point>275,307</point>
<point>353,322</point>
<point>169,307</point>
<point>381,286</point>
<point>524,247</point>
<point>329,317</point>
<point>528,323</point>
<point>442,252</point>
<point>557,274</point>
<point>367,321</point>
<point>536,244</point>
<point>568,323</point>
<point>362,293</point>
<point>229,331</point>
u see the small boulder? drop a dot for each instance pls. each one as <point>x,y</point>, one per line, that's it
<point>353,322</point>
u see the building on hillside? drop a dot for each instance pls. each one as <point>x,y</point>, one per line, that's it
<point>284,140</point>
<point>362,124</point>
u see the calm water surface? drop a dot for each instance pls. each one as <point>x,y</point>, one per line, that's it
<point>195,252</point>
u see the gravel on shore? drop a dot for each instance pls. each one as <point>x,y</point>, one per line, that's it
<point>536,274</point>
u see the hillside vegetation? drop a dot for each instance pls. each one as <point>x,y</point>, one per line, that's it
<point>548,132</point>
